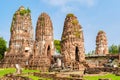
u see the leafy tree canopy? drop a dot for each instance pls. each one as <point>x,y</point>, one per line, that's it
<point>3,47</point>
<point>114,49</point>
<point>57,45</point>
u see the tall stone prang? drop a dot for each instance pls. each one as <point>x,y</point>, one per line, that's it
<point>101,43</point>
<point>72,41</point>
<point>44,46</point>
<point>21,40</point>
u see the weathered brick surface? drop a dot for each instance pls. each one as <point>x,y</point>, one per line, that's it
<point>44,45</point>
<point>21,40</point>
<point>72,44</point>
<point>101,43</point>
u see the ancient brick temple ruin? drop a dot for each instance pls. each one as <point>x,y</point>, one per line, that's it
<point>72,43</point>
<point>21,40</point>
<point>101,56</point>
<point>101,43</point>
<point>39,53</point>
<point>44,45</point>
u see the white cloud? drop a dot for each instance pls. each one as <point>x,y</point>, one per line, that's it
<point>65,5</point>
<point>65,2</point>
<point>67,9</point>
<point>89,3</point>
<point>56,2</point>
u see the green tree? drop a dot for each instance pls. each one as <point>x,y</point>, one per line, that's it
<point>57,45</point>
<point>118,48</point>
<point>3,47</point>
<point>114,49</point>
<point>90,53</point>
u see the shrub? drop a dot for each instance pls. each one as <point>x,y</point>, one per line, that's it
<point>42,18</point>
<point>70,15</point>
<point>25,11</point>
<point>77,34</point>
<point>74,22</point>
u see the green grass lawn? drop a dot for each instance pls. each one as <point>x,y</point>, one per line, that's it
<point>24,73</point>
<point>111,76</point>
<point>12,70</point>
<point>6,71</point>
<point>29,71</point>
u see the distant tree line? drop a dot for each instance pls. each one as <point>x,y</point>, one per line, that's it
<point>90,53</point>
<point>114,49</point>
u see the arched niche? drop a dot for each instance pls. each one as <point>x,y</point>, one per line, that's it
<point>48,51</point>
<point>76,53</point>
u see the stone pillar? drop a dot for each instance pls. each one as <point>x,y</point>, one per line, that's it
<point>21,32</point>
<point>43,47</point>
<point>101,43</point>
<point>72,41</point>
<point>21,39</point>
<point>44,36</point>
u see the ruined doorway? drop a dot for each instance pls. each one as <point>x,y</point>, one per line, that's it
<point>48,51</point>
<point>76,53</point>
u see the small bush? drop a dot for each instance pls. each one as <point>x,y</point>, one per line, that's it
<point>25,11</point>
<point>70,15</point>
<point>42,23</point>
<point>75,22</point>
<point>77,34</point>
<point>42,18</point>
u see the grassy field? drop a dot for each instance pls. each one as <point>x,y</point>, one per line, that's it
<point>24,73</point>
<point>6,71</point>
<point>111,76</point>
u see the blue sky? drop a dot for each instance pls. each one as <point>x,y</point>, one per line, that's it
<point>93,15</point>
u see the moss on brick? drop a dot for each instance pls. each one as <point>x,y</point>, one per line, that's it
<point>25,11</point>
<point>70,15</point>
